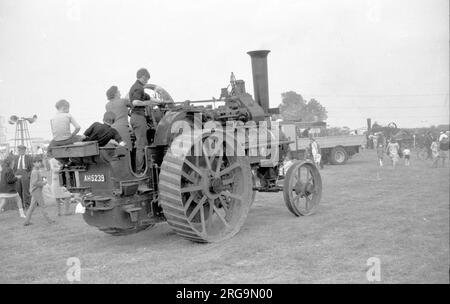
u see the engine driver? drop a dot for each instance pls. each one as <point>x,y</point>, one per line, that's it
<point>141,104</point>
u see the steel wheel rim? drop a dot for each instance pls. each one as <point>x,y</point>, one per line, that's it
<point>305,188</point>
<point>215,192</point>
<point>211,209</point>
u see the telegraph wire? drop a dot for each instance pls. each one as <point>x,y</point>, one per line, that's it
<point>375,95</point>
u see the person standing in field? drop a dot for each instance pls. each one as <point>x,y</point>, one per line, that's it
<point>375,139</point>
<point>380,146</point>
<point>37,182</point>
<point>406,155</point>
<point>443,147</point>
<point>435,153</point>
<point>380,153</point>
<point>315,151</point>
<point>392,150</point>
<point>428,142</point>
<point>62,196</point>
<point>8,187</point>
<point>22,167</point>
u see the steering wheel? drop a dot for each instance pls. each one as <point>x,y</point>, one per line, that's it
<point>160,93</point>
<point>164,102</point>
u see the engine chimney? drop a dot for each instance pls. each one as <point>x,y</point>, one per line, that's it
<point>260,78</point>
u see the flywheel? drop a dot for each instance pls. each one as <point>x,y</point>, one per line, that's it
<point>205,188</point>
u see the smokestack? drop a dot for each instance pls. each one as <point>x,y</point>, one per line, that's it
<point>260,78</point>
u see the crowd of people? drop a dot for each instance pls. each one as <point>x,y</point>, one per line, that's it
<point>23,178</point>
<point>437,149</point>
<point>115,128</point>
<point>20,176</point>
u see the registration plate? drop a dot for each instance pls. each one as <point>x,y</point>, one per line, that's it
<point>94,178</point>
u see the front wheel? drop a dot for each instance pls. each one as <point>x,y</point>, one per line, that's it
<point>302,188</point>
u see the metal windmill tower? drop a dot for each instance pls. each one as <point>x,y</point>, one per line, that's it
<point>22,136</point>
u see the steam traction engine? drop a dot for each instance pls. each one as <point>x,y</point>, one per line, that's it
<point>202,171</point>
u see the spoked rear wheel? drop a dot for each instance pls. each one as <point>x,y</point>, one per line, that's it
<point>205,190</point>
<point>302,188</point>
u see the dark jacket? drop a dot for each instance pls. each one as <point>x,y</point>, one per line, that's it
<point>102,133</point>
<point>137,93</point>
<point>7,181</point>
<point>28,163</point>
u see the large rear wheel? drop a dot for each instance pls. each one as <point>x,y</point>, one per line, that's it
<point>205,189</point>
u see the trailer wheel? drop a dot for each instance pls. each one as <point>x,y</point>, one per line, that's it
<point>338,156</point>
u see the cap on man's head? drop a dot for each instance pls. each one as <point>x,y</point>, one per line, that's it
<point>111,92</point>
<point>21,147</point>
<point>142,72</point>
<point>109,117</point>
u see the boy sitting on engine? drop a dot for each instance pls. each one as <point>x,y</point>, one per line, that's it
<point>103,133</point>
<point>61,123</point>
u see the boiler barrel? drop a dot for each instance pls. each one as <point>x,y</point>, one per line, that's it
<point>260,78</point>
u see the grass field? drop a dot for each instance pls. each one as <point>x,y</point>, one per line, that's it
<point>402,219</point>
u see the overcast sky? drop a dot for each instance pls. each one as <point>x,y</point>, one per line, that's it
<point>388,60</point>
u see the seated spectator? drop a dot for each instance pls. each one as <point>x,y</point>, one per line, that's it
<point>60,124</point>
<point>103,133</point>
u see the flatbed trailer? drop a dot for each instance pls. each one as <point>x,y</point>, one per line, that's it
<point>336,150</point>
